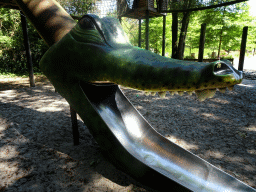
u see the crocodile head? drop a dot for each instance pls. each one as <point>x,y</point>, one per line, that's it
<point>97,50</point>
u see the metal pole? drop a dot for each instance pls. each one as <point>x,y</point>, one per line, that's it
<point>243,48</point>
<point>139,43</point>
<point>51,21</point>
<point>163,43</point>
<point>147,30</point>
<point>74,126</point>
<point>201,43</point>
<point>28,52</point>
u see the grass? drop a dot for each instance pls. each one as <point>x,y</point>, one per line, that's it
<point>208,53</point>
<point>9,74</point>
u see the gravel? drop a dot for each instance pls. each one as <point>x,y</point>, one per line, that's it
<point>249,74</point>
<point>37,151</point>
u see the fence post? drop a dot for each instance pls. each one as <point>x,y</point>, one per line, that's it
<point>174,35</point>
<point>243,49</point>
<point>147,29</point>
<point>163,43</point>
<point>139,43</point>
<point>201,43</point>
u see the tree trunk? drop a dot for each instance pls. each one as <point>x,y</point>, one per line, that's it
<point>221,32</point>
<point>183,33</point>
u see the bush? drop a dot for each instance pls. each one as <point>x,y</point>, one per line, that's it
<point>226,57</point>
<point>189,57</point>
<point>13,55</point>
<point>13,58</point>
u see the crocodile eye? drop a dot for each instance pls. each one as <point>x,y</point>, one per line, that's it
<point>222,69</point>
<point>86,23</point>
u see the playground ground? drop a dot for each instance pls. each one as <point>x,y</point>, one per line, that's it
<point>37,151</point>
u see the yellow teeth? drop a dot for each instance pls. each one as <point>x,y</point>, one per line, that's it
<point>204,94</point>
<point>162,94</point>
<point>222,90</point>
<point>231,88</point>
<point>201,94</point>
<point>147,93</point>
<point>180,93</point>
<point>173,92</point>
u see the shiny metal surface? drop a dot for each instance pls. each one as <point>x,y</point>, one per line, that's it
<point>126,137</point>
<point>136,145</point>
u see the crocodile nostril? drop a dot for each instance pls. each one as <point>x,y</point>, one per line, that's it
<point>241,73</point>
<point>86,23</point>
<point>222,69</point>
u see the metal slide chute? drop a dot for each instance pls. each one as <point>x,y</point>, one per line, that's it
<point>124,135</point>
<point>133,145</point>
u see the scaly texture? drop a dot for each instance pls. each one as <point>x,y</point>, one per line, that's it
<point>97,50</point>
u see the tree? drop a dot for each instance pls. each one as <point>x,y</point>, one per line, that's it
<point>130,27</point>
<point>12,54</point>
<point>225,25</point>
<point>155,34</point>
<point>78,7</point>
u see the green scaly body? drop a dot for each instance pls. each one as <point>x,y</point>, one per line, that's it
<point>97,50</point>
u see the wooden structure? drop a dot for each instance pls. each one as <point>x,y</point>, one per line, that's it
<point>139,8</point>
<point>9,4</point>
<point>143,9</point>
<point>188,5</point>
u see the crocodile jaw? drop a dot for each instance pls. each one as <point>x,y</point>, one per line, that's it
<point>90,53</point>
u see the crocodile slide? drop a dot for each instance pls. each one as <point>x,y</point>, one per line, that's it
<point>87,65</point>
<point>87,61</point>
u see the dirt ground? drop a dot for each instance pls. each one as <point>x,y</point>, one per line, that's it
<point>37,151</point>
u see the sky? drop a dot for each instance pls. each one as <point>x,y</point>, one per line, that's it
<point>252,4</point>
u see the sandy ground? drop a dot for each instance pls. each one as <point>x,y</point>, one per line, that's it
<point>37,151</point>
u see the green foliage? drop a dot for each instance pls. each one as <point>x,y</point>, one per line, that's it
<point>224,27</point>
<point>13,56</point>
<point>7,75</point>
<point>12,51</point>
<point>5,41</point>
<point>77,7</point>
<point>156,34</point>
<point>131,28</point>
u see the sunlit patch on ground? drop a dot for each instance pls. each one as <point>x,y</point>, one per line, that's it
<point>36,143</point>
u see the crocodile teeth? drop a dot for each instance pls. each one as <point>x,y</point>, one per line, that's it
<point>231,88</point>
<point>173,92</point>
<point>222,90</point>
<point>180,93</point>
<point>162,94</point>
<point>147,93</point>
<point>204,94</point>
<point>153,93</point>
<point>190,92</point>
